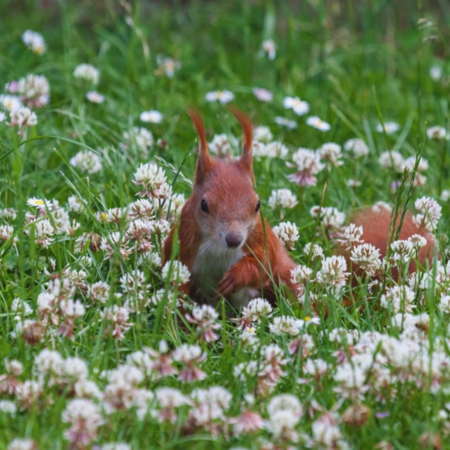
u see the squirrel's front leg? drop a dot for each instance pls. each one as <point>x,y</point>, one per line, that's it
<point>246,272</point>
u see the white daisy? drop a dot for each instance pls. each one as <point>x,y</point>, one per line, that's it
<point>151,116</point>
<point>316,122</point>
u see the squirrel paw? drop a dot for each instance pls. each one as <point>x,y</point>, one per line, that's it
<point>228,284</point>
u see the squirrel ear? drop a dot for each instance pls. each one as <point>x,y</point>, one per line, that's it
<point>205,161</point>
<point>246,124</point>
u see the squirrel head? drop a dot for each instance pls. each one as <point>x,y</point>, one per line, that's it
<point>226,204</point>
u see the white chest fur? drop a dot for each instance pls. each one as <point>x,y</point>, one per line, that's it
<point>210,265</point>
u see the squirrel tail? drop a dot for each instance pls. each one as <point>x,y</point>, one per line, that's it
<point>376,228</point>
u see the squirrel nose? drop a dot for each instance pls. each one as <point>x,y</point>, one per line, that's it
<point>234,239</point>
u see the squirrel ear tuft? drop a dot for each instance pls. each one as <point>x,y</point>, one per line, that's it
<point>205,161</point>
<point>246,124</point>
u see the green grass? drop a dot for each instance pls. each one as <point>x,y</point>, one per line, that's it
<point>356,63</point>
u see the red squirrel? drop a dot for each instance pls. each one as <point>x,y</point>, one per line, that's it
<point>227,247</point>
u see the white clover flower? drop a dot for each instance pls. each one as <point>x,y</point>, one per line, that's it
<point>319,124</point>
<point>87,72</point>
<point>84,416</point>
<point>380,206</point>
<point>435,73</point>
<point>284,325</point>
<point>118,317</point>
<point>392,159</point>
<point>351,235</point>
<point>331,218</point>
<point>262,134</point>
<point>115,241</point>
<point>429,213</point>
<point>99,292</point>
<point>6,232</point>
<point>186,353</point>
<point>177,201</point>
<point>445,195</point>
<point>316,367</point>
<point>86,161</point>
<point>72,309</point>
<point>141,138</point>
<point>116,446</point>
<point>353,183</point>
<point>284,412</point>
<point>259,149</point>
<point>283,122</point>
<point>417,241</point>
<point>151,116</point>
<point>403,250</point>
<point>398,299</point>
<point>263,95</point>
<point>22,444</point>
<point>20,307</point>
<point>10,102</point>
<point>8,407</point>
<point>299,107</point>
<point>333,272</point>
<point>331,153</point>
<point>160,227</point>
<point>444,304</point>
<point>140,209</point>
<point>409,164</point>
<point>389,127</point>
<point>151,259</point>
<point>285,402</point>
<point>75,368</point>
<point>276,150</point>
<point>357,147</point>
<point>167,66</point>
<point>437,133</point>
<point>132,282</point>
<point>176,272</point>
<point>315,250</point>
<point>74,204</point>
<point>287,232</point>
<point>301,274</point>
<point>170,397</point>
<point>152,179</point>
<point>95,97</point>
<point>257,308</point>
<point>367,257</point>
<point>223,145</point>
<point>308,165</point>
<point>351,379</point>
<point>282,198</point>
<point>221,96</point>
<point>23,117</point>
<point>43,233</point>
<point>8,214</point>
<point>34,90</point>
<point>34,41</point>
<point>269,48</point>
<point>49,362</point>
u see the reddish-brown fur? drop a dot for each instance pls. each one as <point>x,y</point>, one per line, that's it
<point>376,230</point>
<point>230,185</point>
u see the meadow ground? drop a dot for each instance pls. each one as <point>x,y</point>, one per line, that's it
<point>97,157</point>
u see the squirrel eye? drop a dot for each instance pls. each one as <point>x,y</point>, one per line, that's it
<point>204,206</point>
<point>258,205</point>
